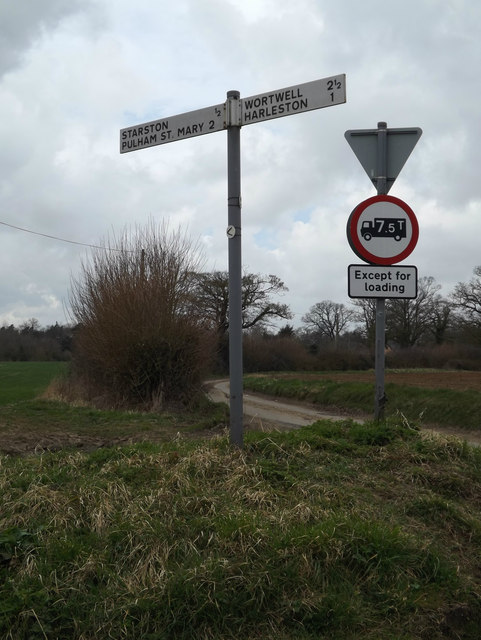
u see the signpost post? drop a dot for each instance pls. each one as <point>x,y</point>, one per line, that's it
<point>235,270</point>
<point>383,153</point>
<point>232,115</point>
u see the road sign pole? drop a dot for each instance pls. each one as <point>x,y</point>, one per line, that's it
<point>235,268</point>
<point>382,152</point>
<point>381,183</point>
<point>380,396</point>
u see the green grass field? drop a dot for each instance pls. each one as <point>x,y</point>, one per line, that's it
<point>337,531</point>
<point>25,380</point>
<point>31,422</point>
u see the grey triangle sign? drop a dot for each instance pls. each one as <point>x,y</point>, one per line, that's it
<point>400,143</point>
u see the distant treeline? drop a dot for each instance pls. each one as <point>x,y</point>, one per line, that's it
<point>285,350</point>
<point>30,341</point>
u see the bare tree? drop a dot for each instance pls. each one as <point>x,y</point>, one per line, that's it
<point>409,320</point>
<point>211,297</point>
<point>467,297</point>
<point>30,326</point>
<point>328,319</point>
<point>440,319</point>
<point>365,314</point>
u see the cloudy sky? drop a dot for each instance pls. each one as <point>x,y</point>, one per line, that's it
<point>75,72</point>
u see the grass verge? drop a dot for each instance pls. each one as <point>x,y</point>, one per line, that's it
<point>337,530</point>
<point>446,407</point>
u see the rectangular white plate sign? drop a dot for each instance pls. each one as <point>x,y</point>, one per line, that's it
<point>375,281</point>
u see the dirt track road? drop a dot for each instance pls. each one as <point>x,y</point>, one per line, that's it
<point>265,413</point>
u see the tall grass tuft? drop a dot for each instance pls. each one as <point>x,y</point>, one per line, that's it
<point>332,531</point>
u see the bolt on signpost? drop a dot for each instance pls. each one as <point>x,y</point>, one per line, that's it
<point>382,152</point>
<point>232,115</point>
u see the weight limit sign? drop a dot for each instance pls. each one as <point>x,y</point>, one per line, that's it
<point>382,230</point>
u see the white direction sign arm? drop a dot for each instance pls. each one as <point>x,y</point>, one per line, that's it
<point>265,106</point>
<point>297,99</point>
<point>184,125</point>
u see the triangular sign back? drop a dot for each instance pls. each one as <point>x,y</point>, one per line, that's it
<point>400,143</point>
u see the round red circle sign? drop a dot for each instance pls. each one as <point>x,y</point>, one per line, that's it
<point>382,230</point>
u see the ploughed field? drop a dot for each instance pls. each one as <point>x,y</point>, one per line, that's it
<point>429,379</point>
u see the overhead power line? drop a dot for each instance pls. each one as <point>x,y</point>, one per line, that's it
<point>46,235</point>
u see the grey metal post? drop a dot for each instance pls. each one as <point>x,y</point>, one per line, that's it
<point>235,268</point>
<point>381,184</point>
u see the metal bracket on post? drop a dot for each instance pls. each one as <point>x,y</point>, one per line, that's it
<point>381,178</point>
<point>233,109</point>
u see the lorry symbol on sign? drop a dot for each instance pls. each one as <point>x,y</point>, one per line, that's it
<point>384,228</point>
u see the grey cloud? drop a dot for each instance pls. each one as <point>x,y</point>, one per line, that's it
<point>22,23</point>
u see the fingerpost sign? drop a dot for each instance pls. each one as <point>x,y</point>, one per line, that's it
<point>232,115</point>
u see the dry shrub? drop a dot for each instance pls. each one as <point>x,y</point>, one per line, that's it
<point>276,354</point>
<point>446,356</point>
<point>138,341</point>
<point>331,358</point>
